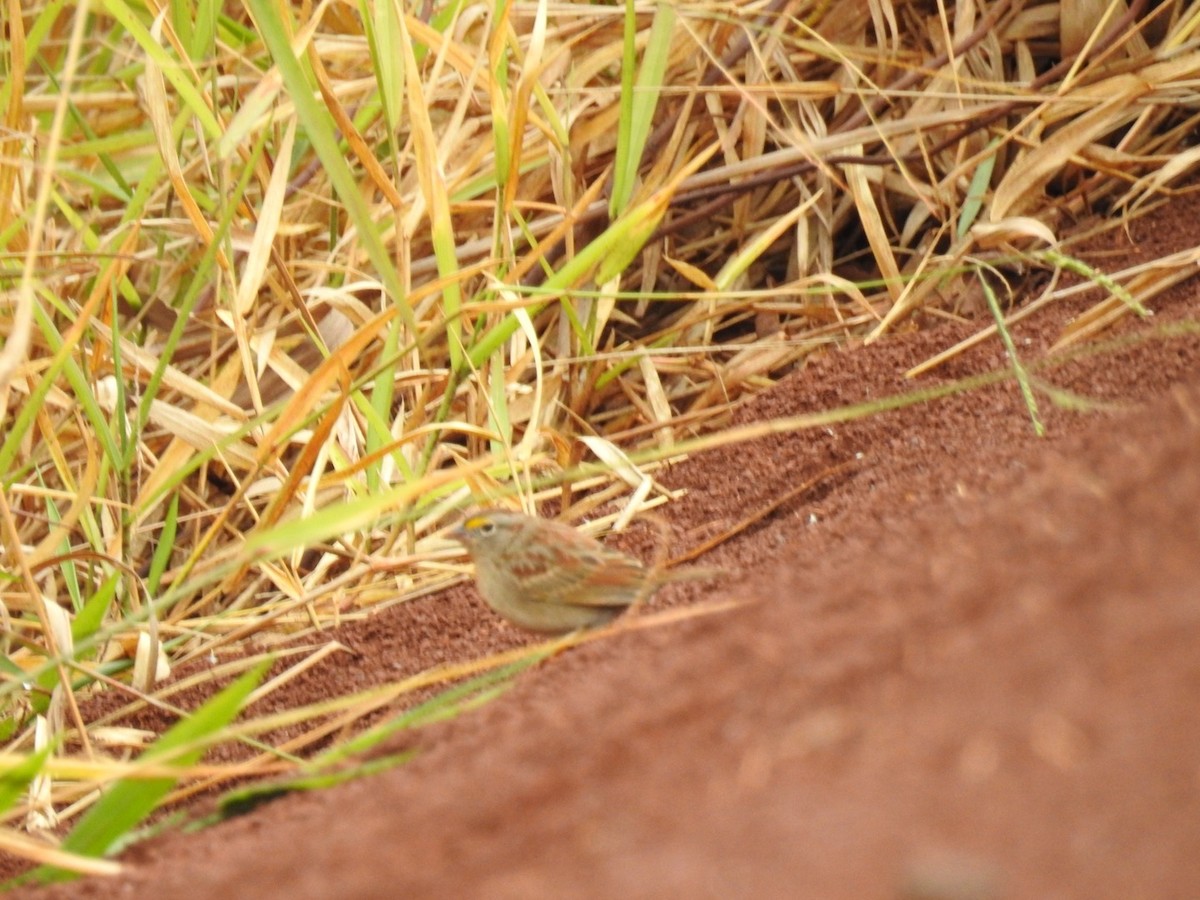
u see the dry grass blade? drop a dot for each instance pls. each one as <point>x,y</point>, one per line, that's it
<point>759,514</point>
<point>25,847</point>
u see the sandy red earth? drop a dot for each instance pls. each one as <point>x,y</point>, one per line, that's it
<point>966,667</point>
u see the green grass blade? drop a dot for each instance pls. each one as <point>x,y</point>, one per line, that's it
<point>1019,370</point>
<point>640,100</point>
<point>191,95</point>
<point>446,705</point>
<point>89,619</point>
<point>165,546</point>
<point>1079,267</point>
<point>131,800</point>
<point>14,780</point>
<point>977,191</point>
<point>322,133</point>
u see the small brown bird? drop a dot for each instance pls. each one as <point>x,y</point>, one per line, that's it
<point>545,576</point>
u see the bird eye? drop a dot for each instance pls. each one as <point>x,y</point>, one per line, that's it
<point>480,525</point>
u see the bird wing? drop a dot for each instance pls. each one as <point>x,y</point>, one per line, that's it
<point>594,578</point>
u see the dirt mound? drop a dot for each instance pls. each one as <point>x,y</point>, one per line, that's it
<point>967,666</point>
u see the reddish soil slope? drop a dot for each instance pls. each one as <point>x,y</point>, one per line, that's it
<point>968,667</point>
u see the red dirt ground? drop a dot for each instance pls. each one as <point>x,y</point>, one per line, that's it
<point>967,668</point>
